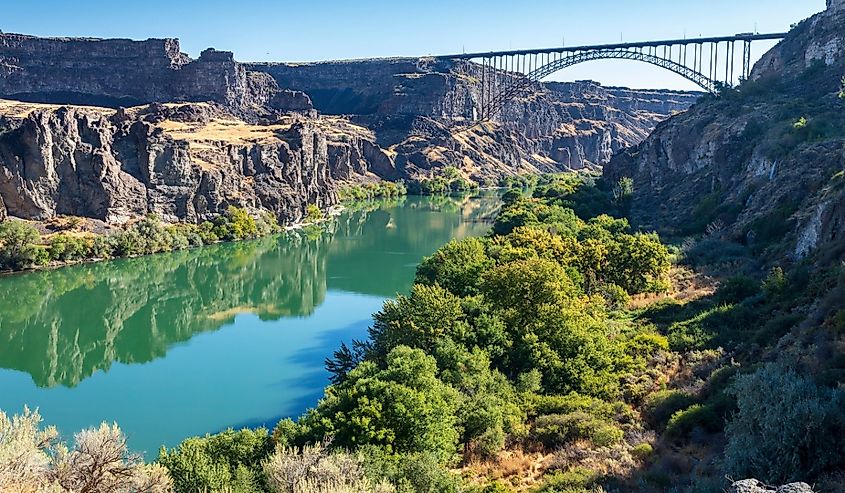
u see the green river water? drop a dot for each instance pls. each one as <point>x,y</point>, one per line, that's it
<point>233,335</point>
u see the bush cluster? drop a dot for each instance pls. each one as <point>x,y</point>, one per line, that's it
<point>21,245</point>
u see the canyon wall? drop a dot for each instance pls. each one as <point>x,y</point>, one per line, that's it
<point>122,72</point>
<point>762,166</point>
<point>252,134</point>
<point>183,162</point>
<point>412,104</point>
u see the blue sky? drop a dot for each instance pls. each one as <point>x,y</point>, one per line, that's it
<point>285,30</point>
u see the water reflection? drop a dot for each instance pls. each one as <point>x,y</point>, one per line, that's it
<point>63,326</point>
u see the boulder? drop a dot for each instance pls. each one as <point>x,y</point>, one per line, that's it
<point>755,486</point>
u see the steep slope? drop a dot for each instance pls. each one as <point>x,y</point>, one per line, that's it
<point>762,166</point>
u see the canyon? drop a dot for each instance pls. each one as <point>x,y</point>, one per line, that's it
<point>114,129</point>
<point>762,165</point>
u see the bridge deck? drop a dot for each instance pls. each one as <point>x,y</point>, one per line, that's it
<point>616,46</point>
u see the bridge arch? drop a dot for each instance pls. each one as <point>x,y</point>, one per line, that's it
<point>707,62</point>
<point>688,73</point>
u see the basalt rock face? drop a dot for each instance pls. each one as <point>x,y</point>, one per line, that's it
<point>121,72</point>
<point>412,104</point>
<point>183,162</point>
<point>763,166</point>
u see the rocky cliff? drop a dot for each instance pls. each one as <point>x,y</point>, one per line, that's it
<point>762,166</point>
<point>122,72</point>
<point>249,134</point>
<point>181,161</point>
<point>411,104</point>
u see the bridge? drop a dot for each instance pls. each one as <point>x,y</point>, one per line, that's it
<point>711,63</point>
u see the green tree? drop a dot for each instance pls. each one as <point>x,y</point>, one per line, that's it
<point>403,408</point>
<point>313,214</point>
<point>18,242</point>
<point>241,223</point>
<point>420,320</point>
<point>638,263</point>
<point>520,288</point>
<point>457,266</point>
<point>228,461</point>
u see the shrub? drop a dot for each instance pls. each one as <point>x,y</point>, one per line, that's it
<point>423,473</point>
<point>313,469</point>
<point>786,427</point>
<point>566,404</point>
<point>68,248</point>
<point>576,480</point>
<point>661,406</point>
<point>737,289</point>
<point>313,214</point>
<point>642,452</point>
<point>776,282</point>
<point>497,487</point>
<point>32,460</point>
<point>556,430</point>
<point>18,248</point>
<point>228,461</point>
<point>615,297</point>
<point>697,416</point>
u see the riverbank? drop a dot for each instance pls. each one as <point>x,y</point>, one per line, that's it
<point>24,248</point>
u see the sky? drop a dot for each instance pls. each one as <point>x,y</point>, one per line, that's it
<point>288,30</point>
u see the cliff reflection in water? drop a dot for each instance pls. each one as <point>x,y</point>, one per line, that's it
<point>64,325</point>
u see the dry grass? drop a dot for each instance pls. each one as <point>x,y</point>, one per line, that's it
<point>518,468</point>
<point>18,109</point>
<point>687,285</point>
<point>220,130</point>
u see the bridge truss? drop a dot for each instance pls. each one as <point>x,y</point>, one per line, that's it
<point>711,63</point>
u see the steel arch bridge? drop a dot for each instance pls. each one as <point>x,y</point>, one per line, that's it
<point>710,63</point>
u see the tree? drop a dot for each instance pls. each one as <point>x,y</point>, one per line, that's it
<point>18,241</point>
<point>345,360</point>
<point>520,288</point>
<point>638,263</point>
<point>457,266</point>
<point>420,320</point>
<point>403,408</point>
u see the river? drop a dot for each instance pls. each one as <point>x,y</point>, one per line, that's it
<point>232,335</point>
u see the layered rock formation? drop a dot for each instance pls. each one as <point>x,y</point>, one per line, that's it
<point>412,105</point>
<point>764,166</point>
<point>183,162</point>
<point>121,72</point>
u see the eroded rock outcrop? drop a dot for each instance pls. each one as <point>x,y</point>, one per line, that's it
<point>412,105</point>
<point>764,166</point>
<point>182,162</point>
